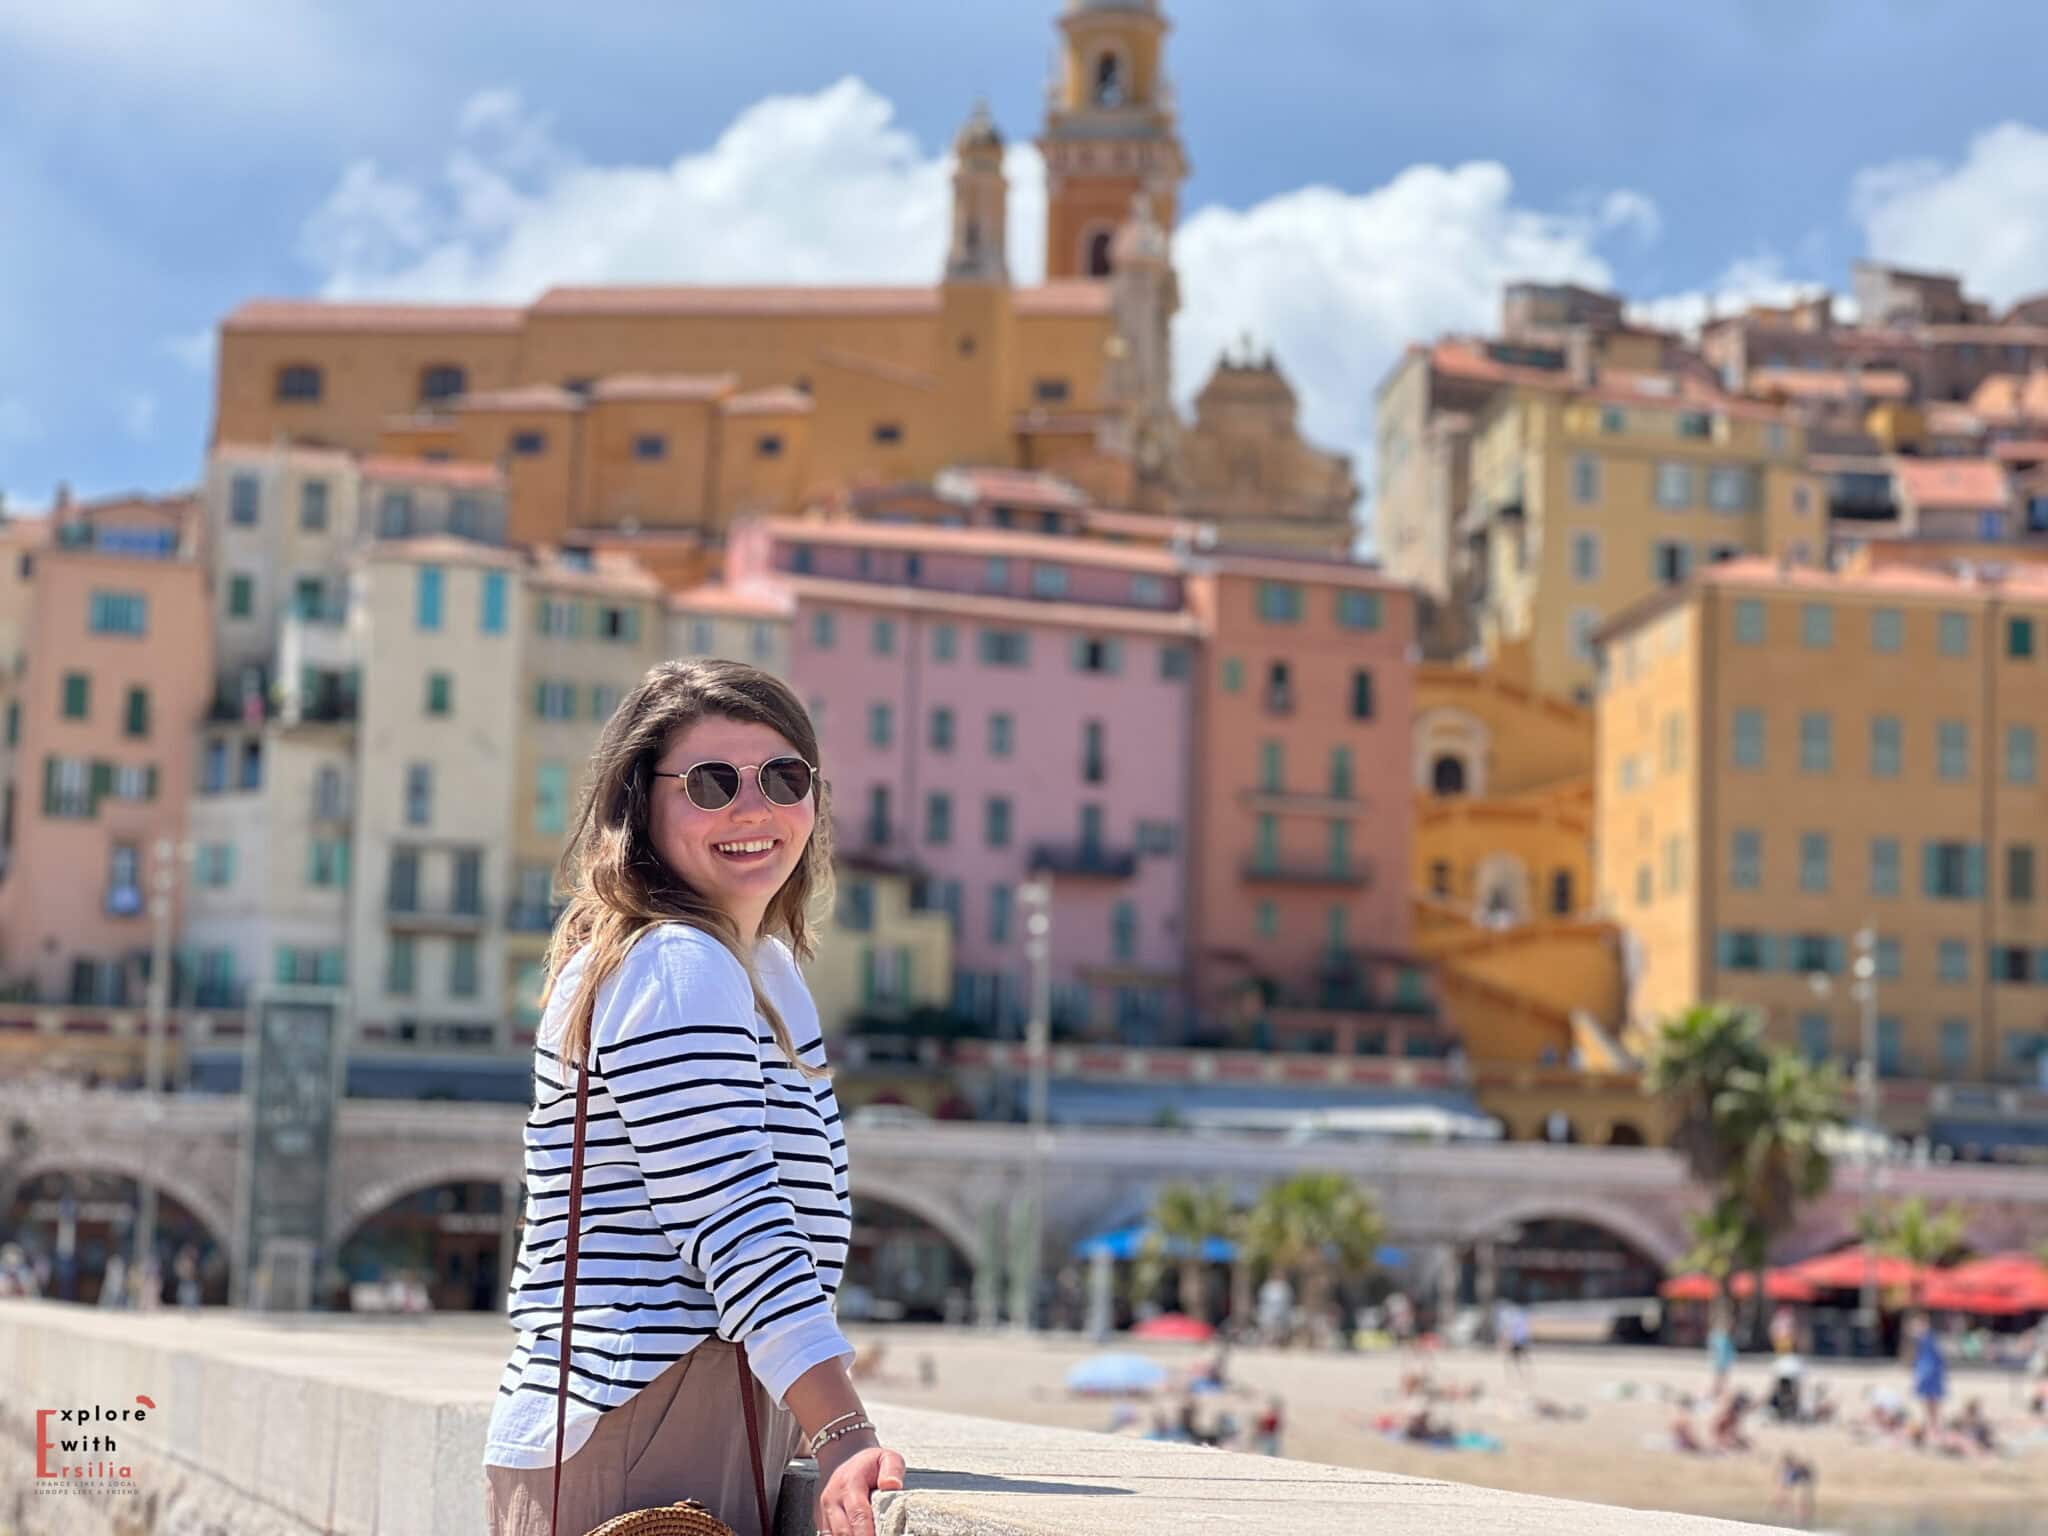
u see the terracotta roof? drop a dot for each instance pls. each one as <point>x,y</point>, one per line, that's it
<point>665,386</point>
<point>928,539</point>
<point>2012,397</point>
<point>613,577</point>
<point>523,397</point>
<point>2030,450</point>
<point>971,484</point>
<point>777,401</point>
<point>758,601</point>
<point>1464,358</point>
<point>1144,525</point>
<point>1951,482</point>
<point>704,299</point>
<point>981,606</point>
<point>451,472</point>
<point>1278,563</point>
<point>323,315</point>
<point>1069,296</point>
<point>1986,335</point>
<point>1831,383</point>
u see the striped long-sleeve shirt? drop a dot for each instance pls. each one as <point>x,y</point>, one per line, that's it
<point>714,1189</point>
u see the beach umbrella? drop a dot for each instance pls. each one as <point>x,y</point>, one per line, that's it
<point>1174,1325</point>
<point>1844,1271</point>
<point>1779,1285</point>
<point>1115,1375</point>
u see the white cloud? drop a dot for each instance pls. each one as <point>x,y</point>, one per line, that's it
<point>195,351</point>
<point>1985,216</point>
<point>138,415</point>
<point>1758,279</point>
<point>828,187</point>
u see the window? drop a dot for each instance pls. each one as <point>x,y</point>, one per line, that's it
<point>1585,623</point>
<point>823,631</point>
<point>650,446</point>
<point>1746,859</point>
<point>1884,866</point>
<point>995,574</point>
<point>1749,738</point>
<point>881,725</point>
<point>945,642</point>
<point>1174,663</point>
<point>942,729</point>
<point>394,515</point>
<point>1674,485</point>
<point>77,695</point>
<point>491,615</point>
<point>1671,561</point>
<point>398,965</point>
<point>327,861</point>
<point>327,801</point>
<point>1279,689</point>
<point>1005,648</point>
<point>1816,626</point>
<point>2012,964</point>
<point>1885,630</point>
<point>1739,949</point>
<point>558,616</point>
<point>1890,1056</point>
<point>1268,920</point>
<point>1674,864</point>
<point>313,506</point>
<point>1955,1047</point>
<point>442,381</point>
<point>1731,488</point>
<point>2021,754</point>
<point>995,821</point>
<point>1811,952</point>
<point>427,598</point>
<point>1645,885</point>
<point>213,772</point>
<point>1049,391</point>
<point>1002,734</point>
<point>1749,621</point>
<point>529,444</point>
<point>419,794</point>
<point>298,381</point>
<point>1048,581</point>
<point>554,699</point>
<point>1230,674</point>
<point>2019,873</point>
<point>1695,424</point>
<point>1885,752</point>
<point>1279,602</point>
<point>1585,479</point>
<point>1272,767</point>
<point>768,446</point>
<point>1358,610</point>
<point>938,817</point>
<point>1093,653</point>
<point>1952,961</point>
<point>1816,742</point>
<point>252,765</point>
<point>1952,750</point>
<point>1340,773</point>
<point>462,968</point>
<point>245,496</point>
<point>1673,742</point>
<point>1953,633</point>
<point>1148,591</point>
<point>878,830</point>
<point>882,637</point>
<point>1889,959</point>
<point>1585,556</point>
<point>136,720</point>
<point>617,624</point>
<point>1952,871</point>
<point>2019,638</point>
<point>241,596</point>
<point>1814,1043</point>
<point>440,693</point>
<point>1158,837</point>
<point>551,800</point>
<point>1361,694</point>
<point>1093,768</point>
<point>118,613</point>
<point>888,432</point>
<point>604,698</point>
<point>1123,927</point>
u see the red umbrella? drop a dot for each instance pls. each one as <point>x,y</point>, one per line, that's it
<point>2002,1270</point>
<point>1174,1325</point>
<point>1845,1271</point>
<point>1779,1285</point>
<point>1945,1293</point>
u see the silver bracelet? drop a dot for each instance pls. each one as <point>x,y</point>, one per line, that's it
<point>826,1437</point>
<point>858,1413</point>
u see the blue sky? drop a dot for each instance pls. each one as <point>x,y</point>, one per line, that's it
<point>1364,173</point>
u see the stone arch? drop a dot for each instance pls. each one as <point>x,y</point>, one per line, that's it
<point>367,1199</point>
<point>1625,1133</point>
<point>1445,735</point>
<point>212,1209</point>
<point>937,1213</point>
<point>1630,1225</point>
<point>1500,890</point>
<point>1097,241</point>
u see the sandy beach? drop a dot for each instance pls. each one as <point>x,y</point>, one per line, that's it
<point>1610,1442</point>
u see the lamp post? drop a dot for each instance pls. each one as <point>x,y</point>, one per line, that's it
<point>163,873</point>
<point>1036,897</point>
<point>1863,991</point>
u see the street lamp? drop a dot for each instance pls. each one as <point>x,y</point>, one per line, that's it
<point>1036,897</point>
<point>1863,990</point>
<point>163,874</point>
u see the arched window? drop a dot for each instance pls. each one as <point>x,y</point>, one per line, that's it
<point>442,381</point>
<point>1623,1134</point>
<point>1098,253</point>
<point>1561,892</point>
<point>1447,775</point>
<point>1109,80</point>
<point>298,381</point>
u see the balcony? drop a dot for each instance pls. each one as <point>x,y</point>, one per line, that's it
<point>212,992</point>
<point>1298,871</point>
<point>1306,802</point>
<point>1088,860</point>
<point>405,914</point>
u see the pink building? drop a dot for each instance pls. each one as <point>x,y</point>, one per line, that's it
<point>993,705</point>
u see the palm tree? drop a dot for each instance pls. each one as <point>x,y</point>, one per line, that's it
<point>1723,1244</point>
<point>1774,1120</point>
<point>1918,1233</point>
<point>1689,1066</point>
<point>1320,1226</point>
<point>1187,1216</point>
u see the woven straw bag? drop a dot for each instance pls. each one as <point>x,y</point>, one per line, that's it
<point>689,1518</point>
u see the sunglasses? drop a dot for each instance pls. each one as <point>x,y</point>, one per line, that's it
<point>713,786</point>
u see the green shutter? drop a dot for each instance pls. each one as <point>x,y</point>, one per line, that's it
<point>1973,870</point>
<point>1114,655</point>
<point>1929,868</point>
<point>285,965</point>
<point>149,782</point>
<point>1767,952</point>
<point>102,782</point>
<point>49,786</point>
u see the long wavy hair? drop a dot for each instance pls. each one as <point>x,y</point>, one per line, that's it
<point>619,885</point>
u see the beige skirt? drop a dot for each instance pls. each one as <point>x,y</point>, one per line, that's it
<point>679,1437</point>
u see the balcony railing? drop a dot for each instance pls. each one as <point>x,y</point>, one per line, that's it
<point>1296,871</point>
<point>213,993</point>
<point>1085,859</point>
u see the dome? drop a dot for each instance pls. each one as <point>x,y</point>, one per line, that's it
<point>979,131</point>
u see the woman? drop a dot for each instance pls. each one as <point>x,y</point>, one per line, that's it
<point>715,1204</point>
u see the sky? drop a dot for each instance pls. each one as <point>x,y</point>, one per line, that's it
<point>1364,173</point>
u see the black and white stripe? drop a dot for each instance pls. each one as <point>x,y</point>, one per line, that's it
<point>714,1189</point>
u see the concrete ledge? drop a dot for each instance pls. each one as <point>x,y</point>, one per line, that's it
<point>276,1427</point>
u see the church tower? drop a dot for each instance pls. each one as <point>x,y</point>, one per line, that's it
<point>981,198</point>
<point>976,316</point>
<point>1109,133</point>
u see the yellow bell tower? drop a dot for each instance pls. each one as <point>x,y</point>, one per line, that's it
<point>1109,133</point>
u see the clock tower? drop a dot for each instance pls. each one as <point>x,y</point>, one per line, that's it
<point>1109,133</point>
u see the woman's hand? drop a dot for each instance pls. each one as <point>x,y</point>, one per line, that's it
<point>851,1470</point>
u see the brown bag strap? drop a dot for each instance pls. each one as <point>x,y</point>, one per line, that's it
<point>569,1318</point>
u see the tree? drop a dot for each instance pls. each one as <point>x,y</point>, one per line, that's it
<point>1918,1233</point>
<point>1723,1244</point>
<point>1689,1066</point>
<point>1320,1227</point>
<point>1186,1217</point>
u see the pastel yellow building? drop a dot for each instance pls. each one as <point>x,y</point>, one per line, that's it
<point>1787,755</point>
<point>1586,497</point>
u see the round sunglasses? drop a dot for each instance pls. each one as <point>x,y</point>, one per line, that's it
<point>712,786</point>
